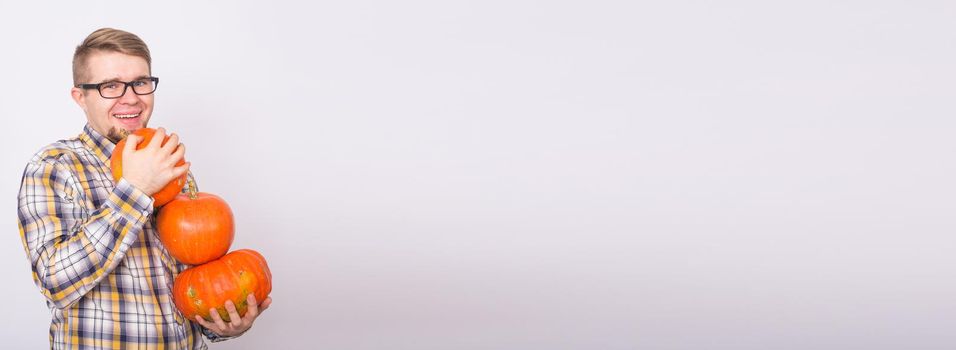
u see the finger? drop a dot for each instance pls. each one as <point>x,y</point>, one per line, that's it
<point>158,138</point>
<point>181,170</point>
<point>234,318</point>
<point>131,141</point>
<point>253,311</point>
<point>204,323</point>
<point>170,145</point>
<point>175,157</point>
<point>216,318</point>
<point>257,308</point>
<point>265,304</point>
<point>178,154</point>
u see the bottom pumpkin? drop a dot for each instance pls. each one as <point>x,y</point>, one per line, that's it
<point>231,277</point>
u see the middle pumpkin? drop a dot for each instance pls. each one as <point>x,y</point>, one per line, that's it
<point>196,227</point>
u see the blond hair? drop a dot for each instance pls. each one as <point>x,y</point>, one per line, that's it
<point>107,40</point>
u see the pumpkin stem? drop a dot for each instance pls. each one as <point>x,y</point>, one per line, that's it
<point>192,187</point>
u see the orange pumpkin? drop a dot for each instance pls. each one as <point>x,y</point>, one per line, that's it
<point>164,195</point>
<point>196,227</point>
<point>210,285</point>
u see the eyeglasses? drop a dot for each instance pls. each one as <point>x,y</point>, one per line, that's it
<point>116,89</point>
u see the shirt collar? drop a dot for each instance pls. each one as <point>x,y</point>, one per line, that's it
<point>99,144</point>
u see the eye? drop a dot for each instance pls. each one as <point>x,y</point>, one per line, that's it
<point>109,85</point>
<point>138,83</point>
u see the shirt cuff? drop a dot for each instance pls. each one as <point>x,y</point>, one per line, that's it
<point>129,202</point>
<point>215,338</point>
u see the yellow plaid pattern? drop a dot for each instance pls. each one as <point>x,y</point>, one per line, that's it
<point>95,254</point>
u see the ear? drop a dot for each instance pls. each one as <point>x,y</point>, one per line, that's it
<point>79,97</point>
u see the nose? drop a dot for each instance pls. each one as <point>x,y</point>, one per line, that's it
<point>129,97</point>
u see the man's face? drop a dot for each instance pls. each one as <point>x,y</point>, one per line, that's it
<point>129,112</point>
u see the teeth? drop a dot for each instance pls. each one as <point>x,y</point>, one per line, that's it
<point>126,116</point>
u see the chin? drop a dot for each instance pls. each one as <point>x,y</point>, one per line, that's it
<point>116,134</point>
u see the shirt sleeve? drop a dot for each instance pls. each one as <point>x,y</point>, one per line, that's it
<point>71,248</point>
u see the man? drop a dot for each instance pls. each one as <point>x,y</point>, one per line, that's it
<point>91,241</point>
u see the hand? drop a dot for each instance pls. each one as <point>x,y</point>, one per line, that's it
<point>237,325</point>
<point>153,167</point>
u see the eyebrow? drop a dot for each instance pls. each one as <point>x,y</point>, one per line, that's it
<point>118,79</point>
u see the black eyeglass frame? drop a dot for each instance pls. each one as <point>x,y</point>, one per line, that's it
<point>126,86</point>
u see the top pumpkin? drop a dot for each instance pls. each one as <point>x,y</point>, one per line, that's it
<point>164,195</point>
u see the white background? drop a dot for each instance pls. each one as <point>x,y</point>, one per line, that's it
<point>543,174</point>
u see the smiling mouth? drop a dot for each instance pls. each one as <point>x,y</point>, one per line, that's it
<point>126,116</point>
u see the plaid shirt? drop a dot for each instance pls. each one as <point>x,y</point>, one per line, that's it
<point>95,253</point>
